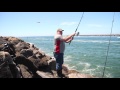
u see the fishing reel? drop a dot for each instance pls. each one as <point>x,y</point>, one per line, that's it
<point>77,34</point>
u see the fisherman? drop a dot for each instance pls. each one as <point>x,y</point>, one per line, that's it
<point>59,47</point>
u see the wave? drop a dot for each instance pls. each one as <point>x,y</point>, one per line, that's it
<point>68,58</point>
<point>86,65</point>
<point>71,67</point>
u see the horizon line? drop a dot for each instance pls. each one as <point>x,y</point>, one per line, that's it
<point>67,35</point>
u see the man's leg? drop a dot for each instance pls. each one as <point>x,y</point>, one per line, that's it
<point>59,62</point>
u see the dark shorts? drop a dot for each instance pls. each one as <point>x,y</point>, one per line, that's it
<point>59,60</point>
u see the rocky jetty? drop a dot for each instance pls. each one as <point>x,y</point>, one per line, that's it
<point>27,61</point>
<point>101,35</point>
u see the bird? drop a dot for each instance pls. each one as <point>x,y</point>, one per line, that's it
<point>38,22</point>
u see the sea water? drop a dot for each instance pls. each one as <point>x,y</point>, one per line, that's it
<point>86,54</point>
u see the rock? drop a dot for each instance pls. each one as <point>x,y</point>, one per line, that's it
<point>3,40</point>
<point>14,40</point>
<point>32,47</point>
<point>52,64</point>
<point>44,75</point>
<point>39,63</point>
<point>32,62</point>
<point>25,72</point>
<point>21,45</point>
<point>26,52</point>
<point>65,70</point>
<point>26,62</point>
<point>5,57</point>
<point>35,51</point>
<point>5,62</point>
<point>35,61</point>
<point>5,72</point>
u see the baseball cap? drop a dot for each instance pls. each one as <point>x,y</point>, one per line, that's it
<point>59,30</point>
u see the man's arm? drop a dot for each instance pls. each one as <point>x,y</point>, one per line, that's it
<point>69,40</point>
<point>68,37</point>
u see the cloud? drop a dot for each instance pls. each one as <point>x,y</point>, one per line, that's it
<point>68,23</point>
<point>94,25</point>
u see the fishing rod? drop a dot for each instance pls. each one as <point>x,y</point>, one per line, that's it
<point>108,45</point>
<point>77,26</point>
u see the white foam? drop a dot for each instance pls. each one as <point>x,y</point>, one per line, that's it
<point>87,65</point>
<point>99,66</point>
<point>108,75</point>
<point>73,67</point>
<point>68,58</point>
<point>70,67</point>
<point>90,71</point>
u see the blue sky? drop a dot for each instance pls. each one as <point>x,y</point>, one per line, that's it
<point>25,23</point>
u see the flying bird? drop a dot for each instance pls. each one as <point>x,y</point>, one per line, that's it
<point>38,22</point>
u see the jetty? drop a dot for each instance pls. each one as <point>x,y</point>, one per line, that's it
<point>100,35</point>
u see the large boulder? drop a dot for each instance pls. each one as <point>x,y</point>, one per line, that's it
<point>25,72</point>
<point>26,52</point>
<point>21,45</point>
<point>5,61</point>
<point>26,62</point>
<point>14,40</point>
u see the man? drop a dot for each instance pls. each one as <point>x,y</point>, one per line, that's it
<point>59,47</point>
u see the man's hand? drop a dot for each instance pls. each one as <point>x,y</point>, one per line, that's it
<point>66,39</point>
<point>73,34</point>
<point>72,38</point>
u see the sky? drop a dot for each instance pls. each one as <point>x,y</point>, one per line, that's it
<point>46,23</point>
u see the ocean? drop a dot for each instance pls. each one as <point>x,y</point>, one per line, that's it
<point>86,54</point>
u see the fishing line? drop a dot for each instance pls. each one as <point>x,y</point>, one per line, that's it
<point>78,25</point>
<point>108,46</point>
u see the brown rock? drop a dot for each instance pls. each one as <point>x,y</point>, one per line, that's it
<point>25,72</point>
<point>21,45</point>
<point>26,52</point>
<point>52,64</point>
<point>14,40</point>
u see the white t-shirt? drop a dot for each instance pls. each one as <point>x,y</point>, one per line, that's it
<point>59,45</point>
